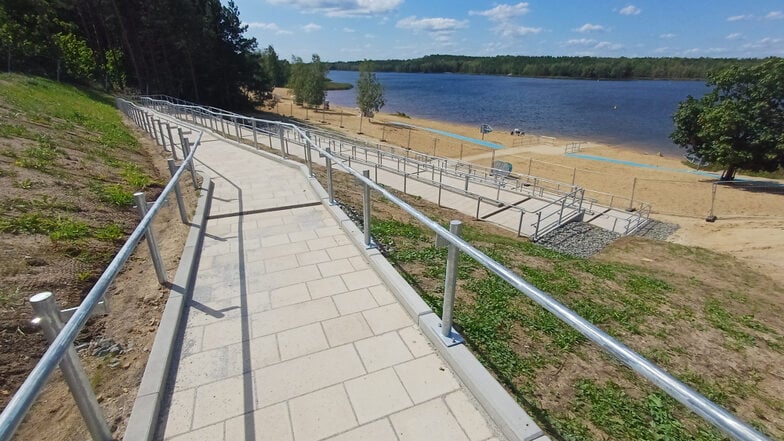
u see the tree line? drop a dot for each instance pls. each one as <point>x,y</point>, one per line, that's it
<point>193,49</point>
<point>557,67</point>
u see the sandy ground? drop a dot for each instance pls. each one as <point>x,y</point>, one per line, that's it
<point>750,220</point>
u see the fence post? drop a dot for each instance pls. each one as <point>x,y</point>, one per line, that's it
<point>47,310</point>
<point>631,200</point>
<point>366,208</point>
<point>186,147</point>
<point>520,225</point>
<point>171,142</point>
<point>330,190</point>
<point>255,139</point>
<point>178,192</point>
<point>538,221</point>
<point>466,181</point>
<point>152,244</point>
<point>308,153</point>
<point>478,202</point>
<point>236,128</point>
<point>282,140</point>
<point>712,217</point>
<point>449,336</point>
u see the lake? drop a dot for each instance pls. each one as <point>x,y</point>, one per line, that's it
<point>630,114</point>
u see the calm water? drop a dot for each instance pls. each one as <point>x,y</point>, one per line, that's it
<point>634,114</point>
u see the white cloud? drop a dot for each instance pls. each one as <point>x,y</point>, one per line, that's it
<point>589,43</point>
<point>512,30</point>
<point>437,24</point>
<point>630,10</point>
<point>503,12</point>
<point>505,15</point>
<point>348,30</point>
<point>581,42</point>
<point>775,15</point>
<point>661,50</point>
<point>263,26</point>
<point>667,36</point>
<point>740,17</point>
<point>342,8</point>
<point>767,43</point>
<point>440,29</point>
<point>734,36</point>
<point>311,27</point>
<point>588,27</point>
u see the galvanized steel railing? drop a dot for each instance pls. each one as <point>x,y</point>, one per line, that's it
<point>691,399</point>
<point>62,336</point>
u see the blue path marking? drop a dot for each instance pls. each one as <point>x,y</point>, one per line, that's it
<point>641,165</point>
<point>464,138</point>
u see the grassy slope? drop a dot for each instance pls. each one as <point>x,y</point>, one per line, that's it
<point>704,317</point>
<point>68,168</point>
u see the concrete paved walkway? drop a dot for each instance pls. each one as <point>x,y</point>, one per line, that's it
<point>291,335</point>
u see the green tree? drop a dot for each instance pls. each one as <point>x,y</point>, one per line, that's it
<point>308,82</point>
<point>274,68</point>
<point>297,80</point>
<point>740,124</point>
<point>113,69</point>
<point>370,92</point>
<point>78,57</point>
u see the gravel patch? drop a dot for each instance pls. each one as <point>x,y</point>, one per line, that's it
<point>657,230</point>
<point>578,239</point>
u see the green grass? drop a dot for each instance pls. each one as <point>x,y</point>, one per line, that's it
<point>135,176</point>
<point>40,157</point>
<point>622,299</point>
<point>46,101</point>
<point>57,228</point>
<point>109,233</point>
<point>14,131</point>
<point>113,194</point>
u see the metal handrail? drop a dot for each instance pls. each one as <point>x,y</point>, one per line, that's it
<point>693,400</point>
<point>20,403</point>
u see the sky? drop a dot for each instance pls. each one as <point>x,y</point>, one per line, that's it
<point>348,30</point>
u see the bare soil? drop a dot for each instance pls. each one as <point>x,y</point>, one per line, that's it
<point>32,263</point>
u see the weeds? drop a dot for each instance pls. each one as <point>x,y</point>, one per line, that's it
<point>113,194</point>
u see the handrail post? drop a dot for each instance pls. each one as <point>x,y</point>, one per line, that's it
<point>330,190</point>
<point>236,128</point>
<point>48,312</point>
<point>448,335</point>
<point>520,225</point>
<point>255,139</point>
<point>478,202</point>
<point>187,152</point>
<point>366,208</point>
<point>178,192</point>
<point>538,221</point>
<point>157,261</point>
<point>171,141</point>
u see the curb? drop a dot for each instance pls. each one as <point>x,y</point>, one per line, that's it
<point>143,421</point>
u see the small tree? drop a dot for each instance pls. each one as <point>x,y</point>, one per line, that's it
<point>740,124</point>
<point>370,92</point>
<point>77,56</point>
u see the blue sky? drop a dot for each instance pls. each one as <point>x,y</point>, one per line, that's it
<point>380,29</point>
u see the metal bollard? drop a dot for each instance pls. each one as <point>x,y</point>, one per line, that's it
<point>448,335</point>
<point>157,261</point>
<point>48,312</point>
<point>187,150</point>
<point>366,209</point>
<point>171,142</point>
<point>330,190</point>
<point>178,192</point>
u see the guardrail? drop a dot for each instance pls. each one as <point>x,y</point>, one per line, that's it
<point>691,399</point>
<point>62,335</point>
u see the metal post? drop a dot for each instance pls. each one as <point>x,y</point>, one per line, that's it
<point>280,138</point>
<point>492,160</point>
<point>255,140</point>
<point>478,203</point>
<point>466,183</point>
<point>157,261</point>
<point>439,194</point>
<point>538,221</point>
<point>236,128</point>
<point>182,141</point>
<point>308,154</point>
<point>47,310</point>
<point>163,137</point>
<point>171,142</point>
<point>560,213</point>
<point>631,200</point>
<point>450,283</point>
<point>330,190</point>
<point>177,192</point>
<point>574,174</point>
<point>520,225</point>
<point>366,208</point>
<point>711,216</point>
<point>405,181</point>
<point>186,147</point>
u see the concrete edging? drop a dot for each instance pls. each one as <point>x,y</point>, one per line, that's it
<point>144,417</point>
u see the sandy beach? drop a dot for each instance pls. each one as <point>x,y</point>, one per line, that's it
<point>750,213</point>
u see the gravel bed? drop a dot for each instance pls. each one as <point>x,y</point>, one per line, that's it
<point>578,239</point>
<point>657,230</point>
